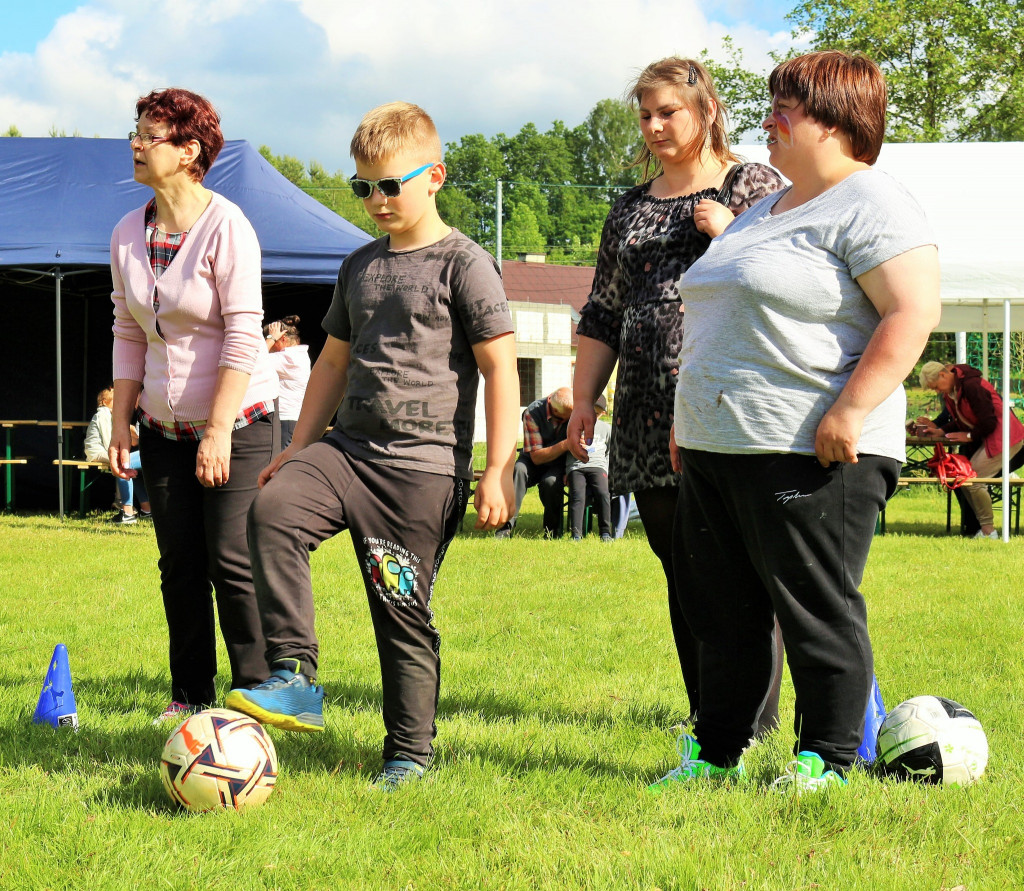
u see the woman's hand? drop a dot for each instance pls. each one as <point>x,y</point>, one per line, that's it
<point>673,451</point>
<point>837,436</point>
<point>119,451</point>
<point>712,218</point>
<point>275,330</point>
<point>581,425</point>
<point>213,460</point>
<point>958,436</point>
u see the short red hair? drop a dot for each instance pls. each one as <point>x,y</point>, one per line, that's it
<point>188,116</point>
<point>839,90</point>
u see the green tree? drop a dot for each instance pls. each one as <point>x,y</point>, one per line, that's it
<point>955,69</point>
<point>475,164</point>
<point>605,144</point>
<point>744,92</point>
<point>11,131</point>
<point>521,234</point>
<point>330,189</point>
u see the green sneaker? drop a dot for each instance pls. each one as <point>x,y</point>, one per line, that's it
<point>691,768</point>
<point>806,773</point>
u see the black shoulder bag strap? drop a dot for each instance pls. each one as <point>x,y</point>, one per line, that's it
<point>724,195</point>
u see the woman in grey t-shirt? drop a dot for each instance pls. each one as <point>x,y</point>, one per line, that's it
<point>803,319</point>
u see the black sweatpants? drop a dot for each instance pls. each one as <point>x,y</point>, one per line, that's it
<point>658,509</point>
<point>200,533</point>
<point>778,535</point>
<point>401,522</point>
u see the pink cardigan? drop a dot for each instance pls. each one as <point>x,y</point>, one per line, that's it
<point>211,313</point>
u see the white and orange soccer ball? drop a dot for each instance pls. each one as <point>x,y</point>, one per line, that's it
<point>219,759</point>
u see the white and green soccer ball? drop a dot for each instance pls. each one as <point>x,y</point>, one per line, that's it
<point>932,740</point>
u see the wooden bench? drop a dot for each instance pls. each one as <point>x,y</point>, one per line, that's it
<point>905,482</point>
<point>83,468</point>
<point>8,465</point>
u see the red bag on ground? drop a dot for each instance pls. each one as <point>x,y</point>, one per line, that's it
<point>950,468</point>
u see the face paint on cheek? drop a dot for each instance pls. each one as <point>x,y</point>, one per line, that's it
<point>783,129</point>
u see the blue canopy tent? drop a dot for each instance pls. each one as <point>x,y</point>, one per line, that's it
<point>59,201</point>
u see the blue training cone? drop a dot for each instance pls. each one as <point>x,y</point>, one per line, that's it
<point>57,699</point>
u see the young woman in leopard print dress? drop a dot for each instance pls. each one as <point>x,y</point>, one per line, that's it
<point>693,186</point>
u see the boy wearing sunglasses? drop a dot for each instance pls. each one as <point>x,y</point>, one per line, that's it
<point>417,316</point>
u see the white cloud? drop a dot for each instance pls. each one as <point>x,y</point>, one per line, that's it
<point>298,74</point>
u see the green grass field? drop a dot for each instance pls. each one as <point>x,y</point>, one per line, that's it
<point>559,703</point>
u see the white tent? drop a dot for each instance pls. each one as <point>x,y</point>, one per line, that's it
<point>973,195</point>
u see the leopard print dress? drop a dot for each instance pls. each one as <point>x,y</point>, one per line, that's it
<point>634,308</point>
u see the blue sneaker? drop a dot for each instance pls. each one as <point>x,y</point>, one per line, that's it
<point>286,699</point>
<point>397,772</point>
<point>806,773</point>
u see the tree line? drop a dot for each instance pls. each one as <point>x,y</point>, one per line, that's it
<point>955,73</point>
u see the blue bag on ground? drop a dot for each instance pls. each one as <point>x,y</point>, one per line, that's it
<point>873,718</point>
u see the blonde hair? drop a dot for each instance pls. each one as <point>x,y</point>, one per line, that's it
<point>105,397</point>
<point>391,129</point>
<point>929,374</point>
<point>695,89</point>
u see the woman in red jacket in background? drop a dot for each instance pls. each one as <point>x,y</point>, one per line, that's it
<point>976,416</point>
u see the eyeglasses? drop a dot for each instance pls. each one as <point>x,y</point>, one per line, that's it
<point>147,139</point>
<point>389,187</point>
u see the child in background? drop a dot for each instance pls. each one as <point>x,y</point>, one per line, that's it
<point>290,358</point>
<point>417,316</point>
<point>589,478</point>
<point>97,444</point>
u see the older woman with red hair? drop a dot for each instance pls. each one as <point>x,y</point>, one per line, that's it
<point>803,319</point>
<point>188,345</point>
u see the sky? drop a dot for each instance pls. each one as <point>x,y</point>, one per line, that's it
<point>297,75</point>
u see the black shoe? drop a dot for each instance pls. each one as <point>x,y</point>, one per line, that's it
<point>145,515</point>
<point>123,519</point>
<point>504,531</point>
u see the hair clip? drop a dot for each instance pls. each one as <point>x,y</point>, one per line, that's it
<point>691,78</point>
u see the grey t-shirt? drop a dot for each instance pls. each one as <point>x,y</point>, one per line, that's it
<point>411,319</point>
<point>776,322</point>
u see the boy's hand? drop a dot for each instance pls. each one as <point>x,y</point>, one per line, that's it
<point>494,499</point>
<point>267,473</point>
<point>673,451</point>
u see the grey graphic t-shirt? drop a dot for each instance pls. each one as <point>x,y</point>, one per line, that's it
<point>411,319</point>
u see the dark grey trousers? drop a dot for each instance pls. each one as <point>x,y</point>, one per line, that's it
<point>581,482</point>
<point>201,536</point>
<point>550,482</point>
<point>778,535</point>
<point>401,523</point>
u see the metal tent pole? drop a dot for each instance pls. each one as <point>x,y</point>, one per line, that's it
<point>60,403</point>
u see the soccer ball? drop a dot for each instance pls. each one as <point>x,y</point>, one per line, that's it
<point>932,740</point>
<point>219,759</point>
